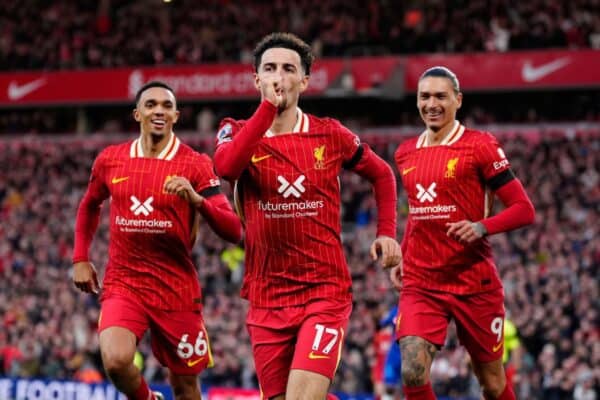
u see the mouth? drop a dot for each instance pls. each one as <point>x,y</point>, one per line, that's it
<point>433,115</point>
<point>158,124</point>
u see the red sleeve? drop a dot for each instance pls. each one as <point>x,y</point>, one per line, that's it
<point>221,217</point>
<point>234,151</point>
<point>379,173</point>
<point>88,213</point>
<point>519,210</point>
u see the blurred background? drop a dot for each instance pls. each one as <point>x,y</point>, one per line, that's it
<point>530,74</point>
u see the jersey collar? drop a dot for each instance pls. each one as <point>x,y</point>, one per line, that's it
<point>451,138</point>
<point>135,150</point>
<point>301,124</point>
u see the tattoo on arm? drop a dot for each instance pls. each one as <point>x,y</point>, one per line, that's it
<point>417,356</point>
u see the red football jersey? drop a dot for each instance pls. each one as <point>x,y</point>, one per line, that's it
<point>448,183</point>
<point>151,232</point>
<point>289,199</point>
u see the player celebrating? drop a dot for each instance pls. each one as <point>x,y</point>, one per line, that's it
<point>286,164</point>
<point>158,187</point>
<point>450,174</point>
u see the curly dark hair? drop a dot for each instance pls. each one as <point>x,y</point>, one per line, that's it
<point>287,41</point>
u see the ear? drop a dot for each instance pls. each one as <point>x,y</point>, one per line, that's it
<point>256,81</point>
<point>176,116</point>
<point>459,97</point>
<point>304,83</point>
<point>136,115</point>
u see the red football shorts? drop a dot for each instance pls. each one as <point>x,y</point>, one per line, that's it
<point>307,337</point>
<point>479,319</point>
<point>179,339</point>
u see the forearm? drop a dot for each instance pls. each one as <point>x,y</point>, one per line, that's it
<point>232,157</point>
<point>379,173</point>
<point>519,210</point>
<point>221,218</point>
<point>86,223</point>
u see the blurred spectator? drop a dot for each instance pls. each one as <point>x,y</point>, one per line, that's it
<point>113,33</point>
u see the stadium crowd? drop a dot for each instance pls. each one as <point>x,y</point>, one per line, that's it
<point>550,274</point>
<point>112,33</point>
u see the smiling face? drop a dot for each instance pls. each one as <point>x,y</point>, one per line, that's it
<point>437,102</point>
<point>283,67</point>
<point>156,111</point>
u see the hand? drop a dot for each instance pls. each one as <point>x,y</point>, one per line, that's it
<point>273,90</point>
<point>85,277</point>
<point>465,231</point>
<point>183,188</point>
<point>389,249</point>
<point>396,275</point>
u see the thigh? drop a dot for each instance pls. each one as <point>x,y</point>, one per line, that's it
<point>321,337</point>
<point>480,324</point>
<point>423,314</point>
<point>120,311</point>
<point>273,335</point>
<point>180,341</point>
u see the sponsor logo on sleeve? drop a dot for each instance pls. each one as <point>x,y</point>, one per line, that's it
<point>224,134</point>
<point>503,163</point>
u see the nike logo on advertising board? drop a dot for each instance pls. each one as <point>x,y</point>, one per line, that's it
<point>114,181</point>
<point>533,74</point>
<point>16,91</point>
<point>256,159</point>
<point>314,356</point>
<point>191,363</point>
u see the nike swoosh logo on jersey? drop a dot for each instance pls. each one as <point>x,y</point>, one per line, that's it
<point>407,170</point>
<point>191,363</point>
<point>114,181</point>
<point>496,347</point>
<point>256,159</point>
<point>314,356</point>
<point>16,91</point>
<point>532,74</point>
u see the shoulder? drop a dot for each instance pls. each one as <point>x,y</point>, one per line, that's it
<point>325,123</point>
<point>193,156</point>
<point>114,151</point>
<point>406,146</point>
<point>228,127</point>
<point>479,137</point>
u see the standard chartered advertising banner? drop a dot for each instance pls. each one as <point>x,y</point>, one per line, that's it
<point>38,389</point>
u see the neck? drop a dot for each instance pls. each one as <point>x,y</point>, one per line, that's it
<point>285,121</point>
<point>434,138</point>
<point>153,145</point>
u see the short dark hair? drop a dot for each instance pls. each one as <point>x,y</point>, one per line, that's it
<point>287,41</point>
<point>149,85</point>
<point>442,72</point>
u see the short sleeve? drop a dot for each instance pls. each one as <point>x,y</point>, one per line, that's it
<point>350,145</point>
<point>206,182</point>
<point>227,129</point>
<point>492,162</point>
